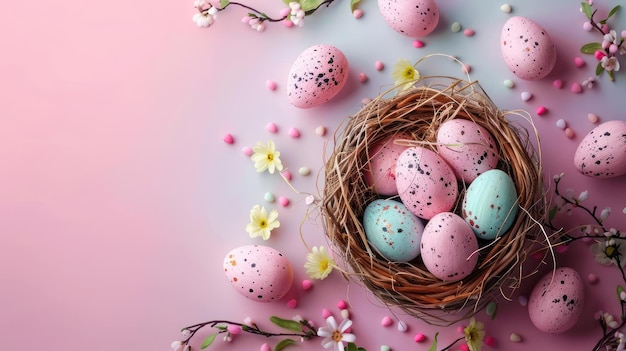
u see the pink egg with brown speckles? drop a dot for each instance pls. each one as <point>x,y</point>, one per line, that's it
<point>381,171</point>
<point>602,152</point>
<point>449,247</point>
<point>556,302</point>
<point>426,184</point>
<point>413,18</point>
<point>468,148</point>
<point>316,76</point>
<point>527,49</point>
<point>258,272</point>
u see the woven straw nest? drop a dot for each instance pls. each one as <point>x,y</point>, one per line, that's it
<point>419,111</point>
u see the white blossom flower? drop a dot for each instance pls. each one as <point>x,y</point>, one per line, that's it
<point>203,19</point>
<point>610,63</point>
<point>334,335</point>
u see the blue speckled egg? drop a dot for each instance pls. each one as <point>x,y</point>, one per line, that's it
<point>490,204</point>
<point>316,76</point>
<point>449,247</point>
<point>602,152</point>
<point>393,230</point>
<point>556,302</point>
<point>426,184</point>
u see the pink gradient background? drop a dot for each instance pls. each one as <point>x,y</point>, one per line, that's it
<point>118,198</point>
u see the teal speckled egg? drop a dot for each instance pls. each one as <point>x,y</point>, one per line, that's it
<point>490,204</point>
<point>393,230</point>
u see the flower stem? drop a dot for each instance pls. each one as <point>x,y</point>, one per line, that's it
<point>452,344</point>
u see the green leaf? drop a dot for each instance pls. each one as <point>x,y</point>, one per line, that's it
<point>283,344</point>
<point>433,347</point>
<point>224,3</point>
<point>586,9</point>
<point>286,323</point>
<point>208,341</point>
<point>308,5</point>
<point>599,69</point>
<point>552,213</point>
<point>361,349</point>
<point>590,48</point>
<point>352,347</point>
<point>620,289</point>
<point>353,4</point>
<point>612,12</point>
<point>492,309</point>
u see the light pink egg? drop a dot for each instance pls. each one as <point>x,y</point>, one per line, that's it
<point>426,184</point>
<point>527,48</point>
<point>258,272</point>
<point>467,147</point>
<point>448,247</point>
<point>381,173</point>
<point>602,152</point>
<point>316,76</point>
<point>556,302</point>
<point>414,18</point>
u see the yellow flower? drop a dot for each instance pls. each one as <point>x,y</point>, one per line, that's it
<point>404,74</point>
<point>318,263</point>
<point>266,157</point>
<point>474,334</point>
<point>261,224</point>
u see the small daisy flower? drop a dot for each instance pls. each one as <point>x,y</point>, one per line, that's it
<point>261,224</point>
<point>318,264</point>
<point>335,335</point>
<point>609,252</point>
<point>266,157</point>
<point>474,335</point>
<point>404,74</point>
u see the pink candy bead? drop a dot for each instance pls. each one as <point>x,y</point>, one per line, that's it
<point>342,305</point>
<point>358,13</point>
<point>326,313</point>
<point>270,84</point>
<point>379,65</point>
<point>419,337</point>
<point>228,139</point>
<point>283,201</point>
<point>418,44</point>
<point>541,110</point>
<point>293,303</point>
<point>386,321</point>
<point>294,133</point>
<point>362,77</point>
<point>576,88</point>
<point>306,285</point>
<point>490,341</point>
<point>579,62</point>
<point>468,32</point>
<point>569,133</point>
<point>271,127</point>
<point>557,83</point>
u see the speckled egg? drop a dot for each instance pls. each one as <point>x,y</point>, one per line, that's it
<point>490,204</point>
<point>467,147</point>
<point>426,184</point>
<point>527,49</point>
<point>381,171</point>
<point>316,76</point>
<point>258,272</point>
<point>414,18</point>
<point>449,247</point>
<point>602,152</point>
<point>393,230</point>
<point>556,302</point>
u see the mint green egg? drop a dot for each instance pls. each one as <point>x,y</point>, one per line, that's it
<point>490,204</point>
<point>393,230</point>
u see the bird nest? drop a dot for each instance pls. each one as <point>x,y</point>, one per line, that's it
<point>418,112</point>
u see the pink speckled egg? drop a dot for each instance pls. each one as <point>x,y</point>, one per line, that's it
<point>467,147</point>
<point>258,272</point>
<point>527,49</point>
<point>602,152</point>
<point>449,247</point>
<point>556,302</point>
<point>393,230</point>
<point>381,171</point>
<point>426,184</point>
<point>414,18</point>
<point>316,76</point>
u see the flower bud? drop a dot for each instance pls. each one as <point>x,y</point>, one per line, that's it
<point>605,213</point>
